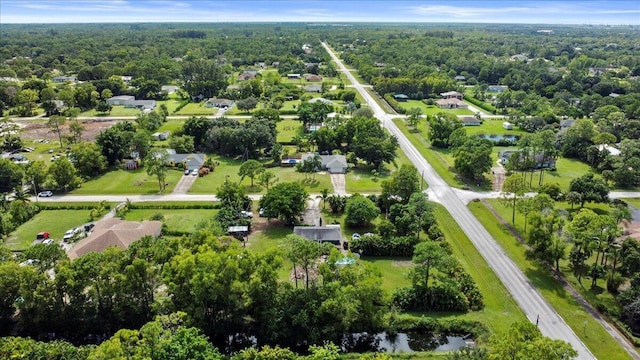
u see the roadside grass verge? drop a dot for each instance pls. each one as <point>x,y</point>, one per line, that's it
<point>118,110</point>
<point>423,147</point>
<point>500,310</point>
<point>196,109</point>
<point>56,222</point>
<point>593,335</point>
<point>124,182</point>
<point>378,99</point>
<point>635,202</point>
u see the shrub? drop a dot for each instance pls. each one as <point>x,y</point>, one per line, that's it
<point>375,245</point>
<point>394,104</point>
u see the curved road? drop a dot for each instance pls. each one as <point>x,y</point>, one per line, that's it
<point>525,294</point>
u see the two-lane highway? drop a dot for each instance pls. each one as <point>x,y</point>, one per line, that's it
<point>525,294</point>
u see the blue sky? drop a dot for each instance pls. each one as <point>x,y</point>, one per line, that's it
<point>620,12</point>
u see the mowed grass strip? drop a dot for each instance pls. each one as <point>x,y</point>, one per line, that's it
<point>184,220</point>
<point>423,147</point>
<point>601,344</point>
<point>635,202</point>
<point>124,182</point>
<point>56,222</point>
<point>500,309</point>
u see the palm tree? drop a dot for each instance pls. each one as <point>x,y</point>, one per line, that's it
<point>324,195</point>
<point>316,164</point>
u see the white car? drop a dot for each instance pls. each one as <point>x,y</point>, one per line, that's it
<point>45,193</point>
<point>246,214</point>
<point>48,242</point>
<point>355,236</point>
<point>194,172</point>
<point>187,172</point>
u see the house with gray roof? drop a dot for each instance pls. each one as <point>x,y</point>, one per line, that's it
<point>320,234</point>
<point>192,161</point>
<point>219,103</point>
<point>120,99</point>
<point>141,104</point>
<point>313,88</point>
<point>334,164</point>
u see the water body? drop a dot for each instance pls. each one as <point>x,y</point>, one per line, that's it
<point>404,342</point>
<point>500,138</point>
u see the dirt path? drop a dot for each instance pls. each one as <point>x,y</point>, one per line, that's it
<point>498,177</point>
<point>339,184</point>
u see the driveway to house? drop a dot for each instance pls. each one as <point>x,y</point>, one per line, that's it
<point>312,213</point>
<point>339,183</point>
<point>524,293</point>
<point>184,184</point>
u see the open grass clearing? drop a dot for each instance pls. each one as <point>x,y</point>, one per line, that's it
<point>493,127</point>
<point>196,109</point>
<point>117,110</point>
<point>362,180</point>
<point>124,182</point>
<point>184,220</point>
<point>593,335</point>
<point>56,222</point>
<point>287,129</point>
<point>171,125</point>
<point>431,109</point>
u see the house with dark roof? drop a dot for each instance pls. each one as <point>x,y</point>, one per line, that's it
<point>219,103</point>
<point>192,161</point>
<point>245,77</point>
<point>401,97</point>
<point>470,121</point>
<point>334,164</point>
<point>114,232</point>
<point>320,234</point>
<point>312,77</point>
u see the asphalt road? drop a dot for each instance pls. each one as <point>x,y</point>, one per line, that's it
<point>526,295</point>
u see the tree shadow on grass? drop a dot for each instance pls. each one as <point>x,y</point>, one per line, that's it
<point>540,278</point>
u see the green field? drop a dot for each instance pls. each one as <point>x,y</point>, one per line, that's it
<point>56,222</point>
<point>361,180</point>
<point>227,170</point>
<point>124,182</point>
<point>493,127</point>
<point>595,337</point>
<point>197,109</point>
<point>118,110</point>
<point>183,220</point>
<point>171,125</point>
<point>287,129</point>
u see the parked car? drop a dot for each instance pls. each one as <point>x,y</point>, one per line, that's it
<point>194,172</point>
<point>42,235</point>
<point>187,172</point>
<point>88,226</point>
<point>246,214</point>
<point>48,242</point>
<point>68,235</point>
<point>46,193</point>
<point>355,236</point>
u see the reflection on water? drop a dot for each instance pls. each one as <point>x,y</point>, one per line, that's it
<point>403,342</point>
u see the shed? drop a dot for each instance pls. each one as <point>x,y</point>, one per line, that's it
<point>507,125</point>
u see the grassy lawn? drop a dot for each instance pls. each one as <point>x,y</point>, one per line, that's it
<point>595,337</point>
<point>394,271</point>
<point>424,148</point>
<point>273,238</point>
<point>493,127</point>
<point>361,180</point>
<point>567,170</point>
<point>500,309</point>
<point>122,182</point>
<point>287,129</point>
<point>432,109</point>
<point>228,170</point>
<point>118,110</point>
<point>176,219</point>
<point>56,222</point>
<point>197,109</point>
<point>171,125</point>
<point>633,202</point>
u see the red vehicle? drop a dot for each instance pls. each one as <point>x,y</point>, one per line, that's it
<point>42,235</point>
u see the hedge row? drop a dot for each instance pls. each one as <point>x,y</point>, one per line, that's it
<point>394,104</point>
<point>182,104</point>
<point>433,325</point>
<point>63,206</point>
<point>173,206</point>
<point>480,104</point>
<point>375,245</point>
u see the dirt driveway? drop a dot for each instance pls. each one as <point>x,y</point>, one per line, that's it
<point>339,184</point>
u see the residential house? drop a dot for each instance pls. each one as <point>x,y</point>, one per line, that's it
<point>245,77</point>
<point>170,89</point>
<point>334,164</point>
<point>451,95</point>
<point>120,99</point>
<point>313,77</point>
<point>612,150</point>
<point>400,97</point>
<point>470,121</point>
<point>460,78</point>
<point>146,105</point>
<point>260,65</point>
<point>64,79</point>
<point>313,88</point>
<point>451,103</point>
<point>549,163</point>
<point>320,234</point>
<point>159,136</point>
<point>294,76</point>
<point>565,124</point>
<point>253,72</point>
<point>191,161</point>
<point>219,103</point>
<point>497,88</point>
<point>322,100</point>
<point>275,64</point>
<point>114,232</point>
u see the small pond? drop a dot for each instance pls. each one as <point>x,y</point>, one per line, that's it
<point>404,342</point>
<point>500,138</point>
